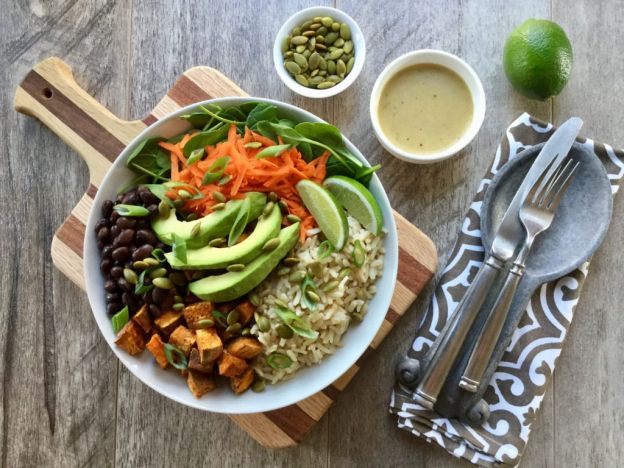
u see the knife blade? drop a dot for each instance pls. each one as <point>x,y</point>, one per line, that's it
<point>510,232</point>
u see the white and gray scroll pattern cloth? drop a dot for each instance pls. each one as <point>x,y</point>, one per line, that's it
<point>517,388</point>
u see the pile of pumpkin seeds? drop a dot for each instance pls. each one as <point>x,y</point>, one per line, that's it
<point>319,53</point>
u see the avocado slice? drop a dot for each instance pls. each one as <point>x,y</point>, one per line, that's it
<point>211,258</point>
<point>214,225</point>
<point>232,285</point>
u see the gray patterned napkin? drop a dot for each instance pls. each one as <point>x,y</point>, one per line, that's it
<point>517,388</point>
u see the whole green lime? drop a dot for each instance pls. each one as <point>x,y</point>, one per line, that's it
<point>538,59</point>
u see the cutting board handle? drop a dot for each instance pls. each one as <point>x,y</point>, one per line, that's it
<point>50,93</point>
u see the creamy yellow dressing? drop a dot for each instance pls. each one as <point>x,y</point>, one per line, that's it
<point>425,108</point>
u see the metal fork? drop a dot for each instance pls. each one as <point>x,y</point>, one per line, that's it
<point>536,214</point>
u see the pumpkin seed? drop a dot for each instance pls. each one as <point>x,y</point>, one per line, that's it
<point>313,63</point>
<point>236,267</point>
<point>306,53</point>
<point>306,24</point>
<point>195,230</point>
<point>330,286</point>
<point>283,331</point>
<point>345,58</point>
<point>218,242</point>
<point>218,206</point>
<point>316,268</point>
<point>309,33</point>
<point>280,303</point>
<point>302,80</point>
<point>350,64</point>
<point>330,38</point>
<point>204,323</point>
<point>335,26</point>
<point>163,209</point>
<point>178,306</point>
<point>300,48</point>
<point>321,46</point>
<point>335,54</point>
<point>327,21</point>
<point>162,283</point>
<point>301,61</point>
<point>317,19</point>
<point>218,196</point>
<point>311,44</point>
<point>291,261</point>
<point>339,42</point>
<point>312,295</point>
<point>246,332</point>
<point>130,276</point>
<point>348,47</point>
<point>288,54</point>
<point>177,298</point>
<point>232,317</point>
<point>293,218</point>
<point>296,31</point>
<point>322,31</point>
<point>151,261</point>
<point>331,67</point>
<point>320,39</point>
<point>322,64</point>
<point>141,265</point>
<point>326,84</point>
<point>268,208</point>
<point>345,31</point>
<point>315,25</point>
<point>234,328</point>
<point>297,276</point>
<point>285,44</point>
<point>313,75</point>
<point>283,206</point>
<point>341,68</point>
<point>158,273</point>
<point>254,299</point>
<point>184,194</point>
<point>271,244</point>
<point>258,386</point>
<point>323,73</point>
<point>334,79</point>
<point>272,197</point>
<point>283,271</point>
<point>264,324</point>
<point>177,278</point>
<point>299,40</point>
<point>292,68</point>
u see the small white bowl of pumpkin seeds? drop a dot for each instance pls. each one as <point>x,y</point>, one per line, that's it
<point>319,52</point>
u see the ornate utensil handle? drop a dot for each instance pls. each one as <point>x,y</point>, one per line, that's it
<point>488,338</point>
<point>453,337</point>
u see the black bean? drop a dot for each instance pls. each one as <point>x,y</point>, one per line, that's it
<point>142,252</point>
<point>142,224</point>
<point>116,272</point>
<point>107,208</point>
<point>103,234</point>
<point>126,299</point>
<point>123,284</point>
<point>159,295</point>
<point>115,230</point>
<point>148,197</point>
<point>100,244</point>
<point>125,237</point>
<point>130,198</point>
<point>126,223</point>
<point>119,198</point>
<point>155,310</point>
<point>110,286</point>
<point>105,266</point>
<point>100,224</point>
<point>153,208</point>
<point>112,309</point>
<point>146,237</point>
<point>106,251</point>
<point>121,253</point>
<point>114,217</point>
<point>112,297</point>
<point>147,297</point>
<point>160,245</point>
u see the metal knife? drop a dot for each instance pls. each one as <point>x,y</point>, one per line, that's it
<point>508,237</point>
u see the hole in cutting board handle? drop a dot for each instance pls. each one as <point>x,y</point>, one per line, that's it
<point>47,93</point>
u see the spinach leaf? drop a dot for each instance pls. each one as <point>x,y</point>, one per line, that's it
<point>149,158</point>
<point>203,139</point>
<point>261,113</point>
<point>240,223</point>
<point>216,170</point>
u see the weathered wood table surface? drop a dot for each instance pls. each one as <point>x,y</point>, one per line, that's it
<point>66,401</point>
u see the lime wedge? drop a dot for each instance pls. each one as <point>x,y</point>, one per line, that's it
<point>327,212</point>
<point>357,200</point>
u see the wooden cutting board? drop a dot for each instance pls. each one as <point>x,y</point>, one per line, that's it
<point>49,93</point>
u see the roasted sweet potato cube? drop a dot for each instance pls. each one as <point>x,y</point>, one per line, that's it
<point>183,338</point>
<point>168,321</point>
<point>196,312</point>
<point>195,363</point>
<point>156,346</point>
<point>199,383</point>
<point>231,366</point>
<point>246,311</point>
<point>244,347</point>
<point>131,338</point>
<point>242,382</point>
<point>209,345</point>
<point>143,319</point>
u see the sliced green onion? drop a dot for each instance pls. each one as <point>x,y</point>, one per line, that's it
<point>141,288</point>
<point>179,248</point>
<point>240,223</point>
<point>279,361</point>
<point>297,324</point>
<point>175,357</point>
<point>224,180</point>
<point>324,250</point>
<point>131,210</point>
<point>195,156</point>
<point>253,145</point>
<point>120,319</point>
<point>358,254</point>
<point>272,151</point>
<point>159,254</point>
<point>216,170</point>
<point>308,284</point>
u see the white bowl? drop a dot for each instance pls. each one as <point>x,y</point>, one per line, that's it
<point>437,57</point>
<point>307,381</point>
<point>359,46</point>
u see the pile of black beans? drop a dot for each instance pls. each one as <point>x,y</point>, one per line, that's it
<point>123,241</point>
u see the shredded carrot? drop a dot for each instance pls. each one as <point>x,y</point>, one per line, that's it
<point>246,173</point>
